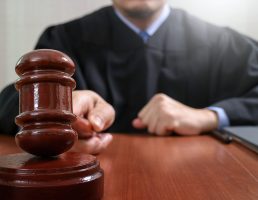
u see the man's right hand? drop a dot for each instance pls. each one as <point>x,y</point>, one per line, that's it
<point>93,115</point>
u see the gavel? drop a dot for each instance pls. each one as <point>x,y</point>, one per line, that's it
<point>45,91</point>
<point>45,88</point>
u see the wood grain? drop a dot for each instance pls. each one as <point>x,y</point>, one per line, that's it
<point>145,167</point>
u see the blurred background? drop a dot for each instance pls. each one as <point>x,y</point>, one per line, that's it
<point>22,21</point>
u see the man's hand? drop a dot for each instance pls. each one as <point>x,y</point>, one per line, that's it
<point>162,115</point>
<point>93,115</point>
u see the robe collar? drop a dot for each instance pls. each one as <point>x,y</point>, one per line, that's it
<point>168,37</point>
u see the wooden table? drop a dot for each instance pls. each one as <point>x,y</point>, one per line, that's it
<point>139,167</point>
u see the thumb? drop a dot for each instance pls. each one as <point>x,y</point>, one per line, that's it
<point>101,116</point>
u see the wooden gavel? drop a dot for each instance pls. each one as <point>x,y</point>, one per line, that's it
<point>45,88</point>
<point>45,118</point>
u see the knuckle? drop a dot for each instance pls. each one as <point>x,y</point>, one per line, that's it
<point>163,107</point>
<point>176,124</point>
<point>90,92</point>
<point>169,115</point>
<point>160,97</point>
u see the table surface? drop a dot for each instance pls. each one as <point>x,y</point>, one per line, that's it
<point>164,168</point>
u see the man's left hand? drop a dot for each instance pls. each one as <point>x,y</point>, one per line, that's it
<point>163,115</point>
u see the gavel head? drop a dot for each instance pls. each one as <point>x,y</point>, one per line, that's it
<point>45,88</point>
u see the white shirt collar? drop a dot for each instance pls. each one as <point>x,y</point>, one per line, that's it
<point>153,27</point>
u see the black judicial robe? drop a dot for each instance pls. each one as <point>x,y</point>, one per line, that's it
<point>192,61</point>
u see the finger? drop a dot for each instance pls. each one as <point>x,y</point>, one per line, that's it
<point>154,117</point>
<point>146,116</point>
<point>96,144</point>
<point>149,118</point>
<point>161,129</point>
<point>82,127</point>
<point>83,101</point>
<point>144,110</point>
<point>152,103</point>
<point>164,127</point>
<point>90,145</point>
<point>137,123</point>
<point>101,116</point>
<point>152,127</point>
<point>105,139</point>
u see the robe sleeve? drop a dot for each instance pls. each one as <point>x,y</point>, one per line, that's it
<point>235,73</point>
<point>9,101</point>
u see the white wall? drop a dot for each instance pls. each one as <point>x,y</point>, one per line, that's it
<point>22,21</point>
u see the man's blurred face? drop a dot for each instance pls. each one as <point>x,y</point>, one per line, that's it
<point>139,9</point>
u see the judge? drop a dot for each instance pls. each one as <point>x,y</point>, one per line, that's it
<point>161,69</point>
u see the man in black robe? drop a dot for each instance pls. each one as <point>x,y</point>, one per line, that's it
<point>161,69</point>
